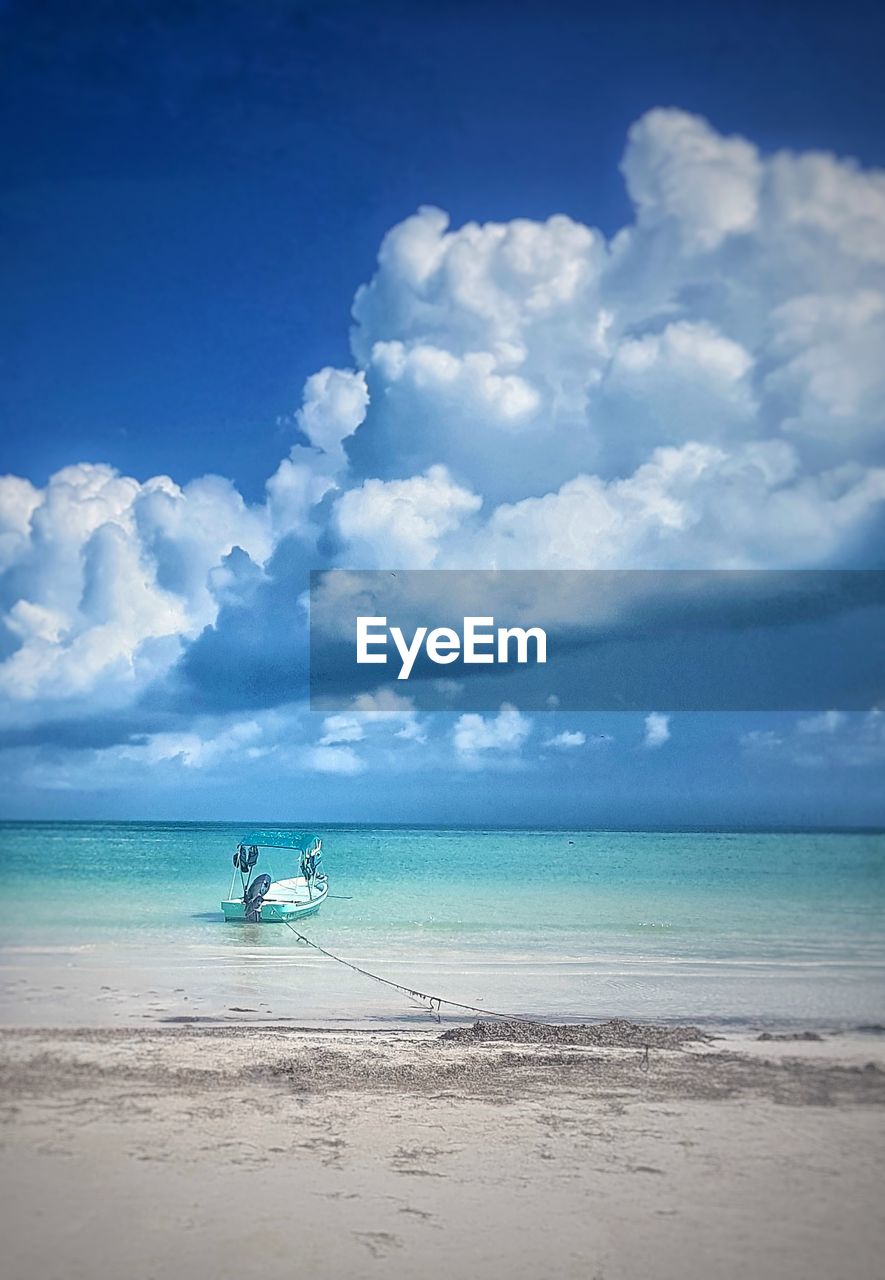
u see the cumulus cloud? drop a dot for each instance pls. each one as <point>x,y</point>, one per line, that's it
<point>657,730</point>
<point>505,732</point>
<point>105,579</point>
<point>685,178</point>
<point>703,389</point>
<point>333,405</point>
<point>402,522</point>
<point>696,506</point>
<point>108,577</point>
<point>740,314</point>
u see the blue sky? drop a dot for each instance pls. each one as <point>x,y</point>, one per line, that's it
<point>192,202</point>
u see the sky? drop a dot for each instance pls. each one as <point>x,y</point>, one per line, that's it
<point>293,286</point>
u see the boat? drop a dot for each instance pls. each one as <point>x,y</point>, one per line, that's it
<point>265,900</point>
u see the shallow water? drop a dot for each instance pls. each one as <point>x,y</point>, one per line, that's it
<point>120,921</point>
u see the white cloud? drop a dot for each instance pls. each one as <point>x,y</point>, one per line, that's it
<point>831,739</point>
<point>412,731</point>
<point>705,389</point>
<point>393,711</point>
<point>477,379</point>
<point>299,483</point>
<point>567,740</point>
<point>18,501</point>
<point>384,705</point>
<point>341,728</point>
<point>109,576</point>
<point>685,177</point>
<point>193,751</point>
<point>825,722</point>
<point>401,522</point>
<point>505,732</point>
<point>742,309</point>
<point>383,710</point>
<point>673,385</point>
<point>334,405</point>
<point>657,730</point>
<point>687,507</point>
<point>341,760</point>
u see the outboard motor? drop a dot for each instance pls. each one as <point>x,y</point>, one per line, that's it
<point>254,896</point>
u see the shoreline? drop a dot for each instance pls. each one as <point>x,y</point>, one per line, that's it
<point>66,987</point>
<point>715,1027</point>
<point>261,1151</point>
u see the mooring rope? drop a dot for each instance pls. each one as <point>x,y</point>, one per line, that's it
<point>433,1002</point>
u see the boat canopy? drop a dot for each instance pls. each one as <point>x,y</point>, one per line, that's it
<point>303,841</point>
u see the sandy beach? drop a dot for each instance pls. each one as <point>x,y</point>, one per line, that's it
<point>198,1150</point>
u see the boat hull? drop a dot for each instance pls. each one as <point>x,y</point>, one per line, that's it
<point>272,912</point>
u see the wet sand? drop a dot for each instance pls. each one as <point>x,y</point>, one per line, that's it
<point>193,1150</point>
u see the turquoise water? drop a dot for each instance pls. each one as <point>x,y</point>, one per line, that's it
<point>120,920</point>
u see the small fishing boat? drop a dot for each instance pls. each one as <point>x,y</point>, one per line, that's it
<point>265,900</point>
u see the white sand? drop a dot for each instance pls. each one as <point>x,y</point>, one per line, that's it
<point>270,1153</point>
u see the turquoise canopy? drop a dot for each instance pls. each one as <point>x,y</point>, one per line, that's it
<point>303,841</point>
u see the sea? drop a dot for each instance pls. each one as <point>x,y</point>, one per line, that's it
<point>118,923</point>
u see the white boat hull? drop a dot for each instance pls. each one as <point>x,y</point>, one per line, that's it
<point>284,900</point>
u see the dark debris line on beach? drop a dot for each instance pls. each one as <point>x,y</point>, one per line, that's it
<point>615,1034</point>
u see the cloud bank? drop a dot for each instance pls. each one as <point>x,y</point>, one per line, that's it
<point>704,389</point>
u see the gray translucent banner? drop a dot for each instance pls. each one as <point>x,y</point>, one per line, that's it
<point>632,640</point>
